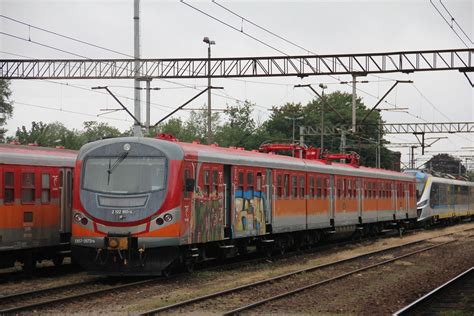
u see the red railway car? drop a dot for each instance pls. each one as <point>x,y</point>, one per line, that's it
<point>35,204</point>
<point>144,205</point>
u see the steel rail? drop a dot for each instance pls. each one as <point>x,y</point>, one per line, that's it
<point>323,282</point>
<point>405,310</point>
<point>42,291</point>
<point>286,275</point>
<point>72,297</point>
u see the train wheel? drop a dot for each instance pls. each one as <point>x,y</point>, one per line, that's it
<point>57,261</point>
<point>166,272</point>
<point>189,266</point>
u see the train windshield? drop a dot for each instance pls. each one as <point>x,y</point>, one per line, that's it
<point>124,175</point>
<point>420,184</point>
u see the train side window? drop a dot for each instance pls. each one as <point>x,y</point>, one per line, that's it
<point>338,185</point>
<point>302,187</point>
<point>186,177</point>
<point>311,187</point>
<point>279,186</point>
<point>206,182</point>
<point>286,186</point>
<point>241,182</point>
<point>45,188</point>
<point>9,182</point>
<point>326,185</point>
<point>28,187</point>
<point>294,186</point>
<point>215,181</point>
<point>349,189</point>
<point>318,187</point>
<point>250,182</point>
<point>259,182</point>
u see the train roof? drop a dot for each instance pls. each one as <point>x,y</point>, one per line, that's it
<point>235,156</point>
<point>450,181</point>
<point>36,156</point>
<point>257,159</point>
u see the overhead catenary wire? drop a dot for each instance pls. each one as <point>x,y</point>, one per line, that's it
<point>69,111</point>
<point>452,28</point>
<point>454,20</point>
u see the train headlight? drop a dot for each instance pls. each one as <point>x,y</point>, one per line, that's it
<point>423,203</point>
<point>159,221</point>
<point>168,217</point>
<point>113,243</point>
<point>84,221</point>
<point>127,147</point>
<point>78,217</point>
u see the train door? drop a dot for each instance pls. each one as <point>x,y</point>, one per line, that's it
<point>269,195</point>
<point>228,201</point>
<point>65,201</point>
<point>332,200</point>
<point>359,187</point>
<point>188,195</point>
<point>407,188</point>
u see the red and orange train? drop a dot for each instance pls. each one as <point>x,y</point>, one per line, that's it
<point>35,204</point>
<point>145,205</point>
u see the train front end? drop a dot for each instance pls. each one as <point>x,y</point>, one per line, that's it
<point>126,216</point>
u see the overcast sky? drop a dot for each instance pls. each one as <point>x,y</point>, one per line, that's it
<point>173,29</point>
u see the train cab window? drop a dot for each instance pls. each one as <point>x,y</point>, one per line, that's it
<point>9,186</point>
<point>286,186</point>
<point>28,187</point>
<point>279,186</point>
<point>250,182</point>
<point>302,187</point>
<point>45,188</point>
<point>294,186</point>
<point>206,183</point>
<point>311,187</point>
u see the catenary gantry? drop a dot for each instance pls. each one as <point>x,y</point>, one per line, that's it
<point>301,66</point>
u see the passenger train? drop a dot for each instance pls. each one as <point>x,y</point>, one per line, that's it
<point>441,199</point>
<point>35,204</point>
<point>143,205</point>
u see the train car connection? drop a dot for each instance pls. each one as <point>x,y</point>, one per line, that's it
<point>143,205</point>
<point>443,199</point>
<point>35,204</point>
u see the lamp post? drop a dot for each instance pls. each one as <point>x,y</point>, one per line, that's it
<point>294,122</point>
<point>209,113</point>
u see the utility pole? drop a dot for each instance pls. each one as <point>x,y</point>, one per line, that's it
<point>136,26</point>
<point>379,140</point>
<point>294,123</point>
<point>148,102</point>
<point>354,97</point>
<point>322,86</point>
<point>209,109</point>
<point>343,141</point>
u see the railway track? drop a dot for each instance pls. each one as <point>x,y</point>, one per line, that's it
<point>456,295</point>
<point>50,297</point>
<point>294,282</point>
<point>31,300</point>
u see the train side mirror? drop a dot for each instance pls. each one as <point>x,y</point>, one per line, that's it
<point>189,186</point>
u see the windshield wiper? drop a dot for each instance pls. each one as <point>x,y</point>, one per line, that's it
<point>116,163</point>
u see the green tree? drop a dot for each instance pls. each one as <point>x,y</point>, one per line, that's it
<point>446,163</point>
<point>6,106</point>
<point>94,131</point>
<point>240,129</point>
